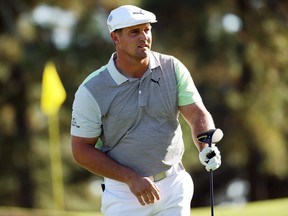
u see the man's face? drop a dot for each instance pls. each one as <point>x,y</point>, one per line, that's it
<point>134,41</point>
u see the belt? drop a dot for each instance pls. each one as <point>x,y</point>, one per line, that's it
<point>172,171</point>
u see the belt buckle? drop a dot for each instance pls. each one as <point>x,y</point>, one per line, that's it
<point>163,175</point>
<point>159,176</point>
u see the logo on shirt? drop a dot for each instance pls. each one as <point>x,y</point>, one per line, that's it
<point>74,123</point>
<point>156,81</point>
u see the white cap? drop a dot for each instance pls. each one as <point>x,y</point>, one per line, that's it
<point>128,15</point>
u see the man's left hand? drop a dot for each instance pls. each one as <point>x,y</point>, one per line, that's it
<point>210,157</point>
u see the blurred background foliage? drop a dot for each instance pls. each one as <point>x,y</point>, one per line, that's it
<point>236,51</point>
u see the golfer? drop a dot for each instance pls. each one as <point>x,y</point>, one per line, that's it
<point>132,105</point>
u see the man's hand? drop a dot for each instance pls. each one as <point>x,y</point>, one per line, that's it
<point>210,157</point>
<point>145,190</point>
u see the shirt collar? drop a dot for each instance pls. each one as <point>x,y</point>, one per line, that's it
<point>154,61</point>
<point>115,74</point>
<point>120,78</point>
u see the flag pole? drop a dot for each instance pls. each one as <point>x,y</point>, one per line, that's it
<point>56,162</point>
<point>53,96</point>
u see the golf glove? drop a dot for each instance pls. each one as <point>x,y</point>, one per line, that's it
<point>210,157</point>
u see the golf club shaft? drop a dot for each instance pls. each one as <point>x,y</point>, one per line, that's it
<point>211,182</point>
<point>211,193</point>
<point>210,137</point>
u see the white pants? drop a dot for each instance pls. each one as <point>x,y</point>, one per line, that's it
<point>176,192</point>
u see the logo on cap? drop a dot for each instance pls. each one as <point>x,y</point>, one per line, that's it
<point>110,18</point>
<point>140,12</point>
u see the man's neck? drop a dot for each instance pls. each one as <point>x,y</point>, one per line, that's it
<point>132,67</point>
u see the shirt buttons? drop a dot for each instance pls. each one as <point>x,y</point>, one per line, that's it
<point>140,92</point>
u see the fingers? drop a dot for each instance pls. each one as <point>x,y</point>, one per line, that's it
<point>148,198</point>
<point>203,155</point>
<point>214,163</point>
<point>211,162</point>
<point>147,193</point>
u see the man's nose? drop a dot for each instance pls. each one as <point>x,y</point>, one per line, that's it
<point>144,35</point>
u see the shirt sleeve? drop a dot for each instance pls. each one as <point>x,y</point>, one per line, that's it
<point>86,115</point>
<point>187,91</point>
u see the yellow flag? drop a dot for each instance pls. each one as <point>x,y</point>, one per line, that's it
<point>53,92</point>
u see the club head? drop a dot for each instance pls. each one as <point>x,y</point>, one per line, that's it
<point>211,136</point>
<point>217,135</point>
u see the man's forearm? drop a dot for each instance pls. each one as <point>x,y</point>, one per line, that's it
<point>97,162</point>
<point>202,122</point>
<point>199,120</point>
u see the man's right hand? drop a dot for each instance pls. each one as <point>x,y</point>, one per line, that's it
<point>145,190</point>
<point>101,164</point>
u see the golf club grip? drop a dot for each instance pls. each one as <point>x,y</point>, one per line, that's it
<point>211,155</point>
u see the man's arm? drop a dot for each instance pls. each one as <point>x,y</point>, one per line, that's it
<point>99,163</point>
<point>199,119</point>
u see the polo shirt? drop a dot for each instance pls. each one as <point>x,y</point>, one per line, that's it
<point>136,118</point>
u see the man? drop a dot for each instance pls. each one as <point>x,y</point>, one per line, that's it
<point>132,104</point>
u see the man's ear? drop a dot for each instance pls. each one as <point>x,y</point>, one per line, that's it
<point>114,37</point>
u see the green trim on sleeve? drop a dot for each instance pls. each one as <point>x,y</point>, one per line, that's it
<point>95,73</point>
<point>187,91</point>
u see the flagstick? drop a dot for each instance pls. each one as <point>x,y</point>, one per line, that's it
<point>52,97</point>
<point>56,162</point>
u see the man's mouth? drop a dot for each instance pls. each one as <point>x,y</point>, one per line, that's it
<point>143,46</point>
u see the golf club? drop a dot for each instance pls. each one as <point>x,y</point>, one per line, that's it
<point>211,136</point>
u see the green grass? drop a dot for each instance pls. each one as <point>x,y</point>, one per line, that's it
<point>277,207</point>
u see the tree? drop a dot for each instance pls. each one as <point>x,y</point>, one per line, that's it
<point>240,74</point>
